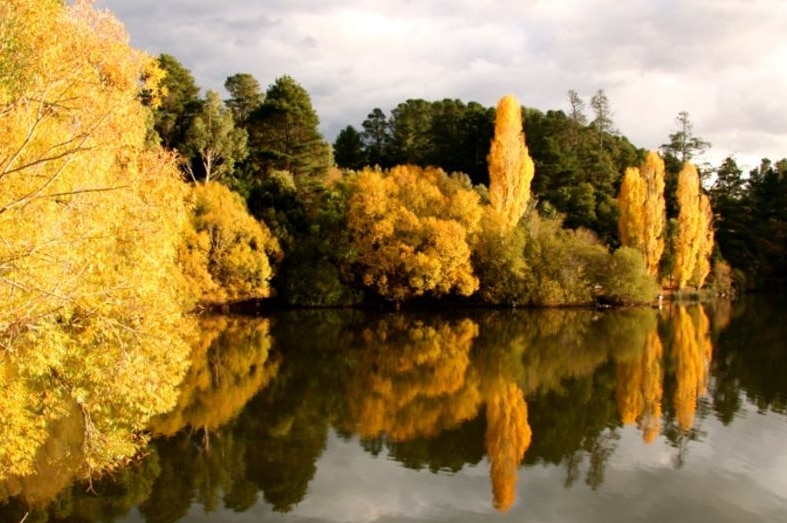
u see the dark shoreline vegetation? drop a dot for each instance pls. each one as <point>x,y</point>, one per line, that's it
<point>128,202</point>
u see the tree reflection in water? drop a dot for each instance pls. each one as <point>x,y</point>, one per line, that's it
<point>556,387</point>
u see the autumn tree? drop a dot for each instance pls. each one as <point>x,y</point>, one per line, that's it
<point>90,221</point>
<point>214,140</point>
<point>642,210</point>
<point>410,229</point>
<point>226,254</point>
<point>510,167</point>
<point>694,238</point>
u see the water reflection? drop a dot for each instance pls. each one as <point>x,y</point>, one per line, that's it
<point>503,390</point>
<point>230,362</point>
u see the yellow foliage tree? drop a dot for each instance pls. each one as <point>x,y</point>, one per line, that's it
<point>694,242</point>
<point>511,169</point>
<point>226,253</point>
<point>643,210</point>
<point>90,221</point>
<point>692,351</point>
<point>410,229</point>
<point>706,239</point>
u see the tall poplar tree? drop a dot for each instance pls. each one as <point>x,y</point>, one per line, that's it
<point>511,169</point>
<point>643,210</point>
<point>694,242</point>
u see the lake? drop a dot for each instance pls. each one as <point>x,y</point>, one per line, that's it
<point>678,414</point>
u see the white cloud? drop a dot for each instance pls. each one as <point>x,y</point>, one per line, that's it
<point>720,60</point>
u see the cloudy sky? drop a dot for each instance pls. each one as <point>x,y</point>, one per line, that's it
<point>723,61</point>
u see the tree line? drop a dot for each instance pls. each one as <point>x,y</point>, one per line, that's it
<point>127,200</point>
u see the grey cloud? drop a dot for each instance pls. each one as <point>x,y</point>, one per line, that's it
<point>653,58</point>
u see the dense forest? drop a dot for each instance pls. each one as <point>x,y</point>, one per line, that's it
<point>129,199</point>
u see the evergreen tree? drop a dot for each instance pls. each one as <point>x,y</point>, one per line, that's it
<point>245,96</point>
<point>348,150</point>
<point>377,138</point>
<point>284,134</point>
<point>178,104</point>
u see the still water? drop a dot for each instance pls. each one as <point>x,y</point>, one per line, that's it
<point>555,415</point>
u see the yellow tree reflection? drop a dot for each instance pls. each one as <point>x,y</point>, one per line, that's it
<point>499,362</point>
<point>691,351</point>
<point>507,438</point>
<point>640,390</point>
<point>230,362</point>
<point>414,378</point>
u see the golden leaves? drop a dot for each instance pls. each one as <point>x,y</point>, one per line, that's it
<point>695,231</point>
<point>642,210</point>
<point>92,325</point>
<point>226,253</point>
<point>511,169</point>
<point>411,229</point>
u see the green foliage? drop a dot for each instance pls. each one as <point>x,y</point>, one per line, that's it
<point>348,150</point>
<point>284,134</point>
<point>499,262</point>
<point>751,222</point>
<point>309,220</point>
<point>626,280</point>
<point>213,139</point>
<point>245,96</point>
<point>447,133</point>
<point>179,102</point>
<point>226,253</point>
<point>563,265</point>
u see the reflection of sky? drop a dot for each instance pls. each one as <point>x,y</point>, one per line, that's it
<point>734,474</point>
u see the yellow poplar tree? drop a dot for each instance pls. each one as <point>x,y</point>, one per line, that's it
<point>706,239</point>
<point>694,242</point>
<point>643,210</point>
<point>511,169</point>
